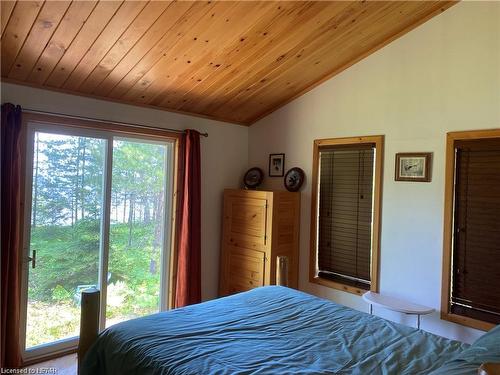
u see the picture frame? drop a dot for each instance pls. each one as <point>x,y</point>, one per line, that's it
<point>276,165</point>
<point>413,166</point>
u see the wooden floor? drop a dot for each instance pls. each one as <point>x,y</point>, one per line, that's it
<point>64,365</point>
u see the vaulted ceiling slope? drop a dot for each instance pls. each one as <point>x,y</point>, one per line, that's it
<point>233,61</point>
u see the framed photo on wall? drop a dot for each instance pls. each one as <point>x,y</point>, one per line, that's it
<point>276,165</point>
<point>413,166</point>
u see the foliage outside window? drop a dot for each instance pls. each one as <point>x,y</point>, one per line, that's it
<point>66,224</point>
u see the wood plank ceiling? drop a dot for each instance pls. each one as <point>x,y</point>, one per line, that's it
<point>232,61</point>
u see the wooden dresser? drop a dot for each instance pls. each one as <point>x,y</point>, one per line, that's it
<point>258,226</point>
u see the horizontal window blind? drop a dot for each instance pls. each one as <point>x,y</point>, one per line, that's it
<point>476,241</point>
<point>345,214</point>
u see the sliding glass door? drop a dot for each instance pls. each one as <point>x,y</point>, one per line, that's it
<point>96,216</point>
<point>66,215</point>
<point>137,229</point>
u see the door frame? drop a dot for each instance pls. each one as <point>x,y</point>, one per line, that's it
<point>67,344</point>
<point>107,131</point>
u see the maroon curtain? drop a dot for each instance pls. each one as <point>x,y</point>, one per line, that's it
<point>188,286</point>
<point>11,163</point>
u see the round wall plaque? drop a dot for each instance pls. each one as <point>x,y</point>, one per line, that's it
<point>253,178</point>
<point>294,179</point>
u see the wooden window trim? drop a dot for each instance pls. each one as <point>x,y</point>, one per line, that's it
<point>451,139</point>
<point>124,130</point>
<point>378,140</point>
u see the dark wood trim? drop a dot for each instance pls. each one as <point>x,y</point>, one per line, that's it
<point>378,141</point>
<point>48,357</point>
<point>337,285</point>
<point>466,321</point>
<point>451,139</point>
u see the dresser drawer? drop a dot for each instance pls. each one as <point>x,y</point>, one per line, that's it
<point>245,269</point>
<point>245,221</point>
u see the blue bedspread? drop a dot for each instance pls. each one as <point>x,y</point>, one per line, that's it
<point>269,330</point>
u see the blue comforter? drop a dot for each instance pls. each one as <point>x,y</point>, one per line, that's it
<point>269,330</point>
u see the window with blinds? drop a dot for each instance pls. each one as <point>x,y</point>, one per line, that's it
<point>345,214</point>
<point>475,289</point>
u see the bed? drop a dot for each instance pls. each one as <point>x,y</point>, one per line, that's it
<point>277,330</point>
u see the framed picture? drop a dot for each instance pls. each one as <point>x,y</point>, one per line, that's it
<point>413,166</point>
<point>276,165</point>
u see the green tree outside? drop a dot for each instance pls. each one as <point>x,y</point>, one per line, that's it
<point>66,225</point>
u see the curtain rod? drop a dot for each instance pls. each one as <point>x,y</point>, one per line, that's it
<point>106,121</point>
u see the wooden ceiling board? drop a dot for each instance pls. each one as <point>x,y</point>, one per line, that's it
<point>192,53</point>
<point>151,41</point>
<point>262,92</point>
<point>217,70</point>
<point>18,27</point>
<point>93,27</point>
<point>122,19</point>
<point>67,30</point>
<point>126,42</point>
<point>49,17</point>
<point>289,44</point>
<point>244,52</point>
<point>234,61</point>
<point>309,76</point>
<point>183,51</point>
<point>192,14</point>
<point>316,46</point>
<point>6,8</point>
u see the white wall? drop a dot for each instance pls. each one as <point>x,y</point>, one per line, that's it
<point>224,155</point>
<point>442,76</point>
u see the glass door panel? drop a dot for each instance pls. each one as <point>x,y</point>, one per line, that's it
<point>96,216</point>
<point>64,235</point>
<point>137,229</point>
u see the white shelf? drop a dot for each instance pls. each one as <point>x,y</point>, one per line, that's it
<point>396,304</point>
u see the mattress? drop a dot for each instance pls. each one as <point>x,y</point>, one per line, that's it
<point>268,330</point>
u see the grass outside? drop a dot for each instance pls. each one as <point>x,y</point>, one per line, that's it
<point>47,321</point>
<point>67,258</point>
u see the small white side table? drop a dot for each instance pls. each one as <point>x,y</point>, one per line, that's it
<point>396,304</point>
